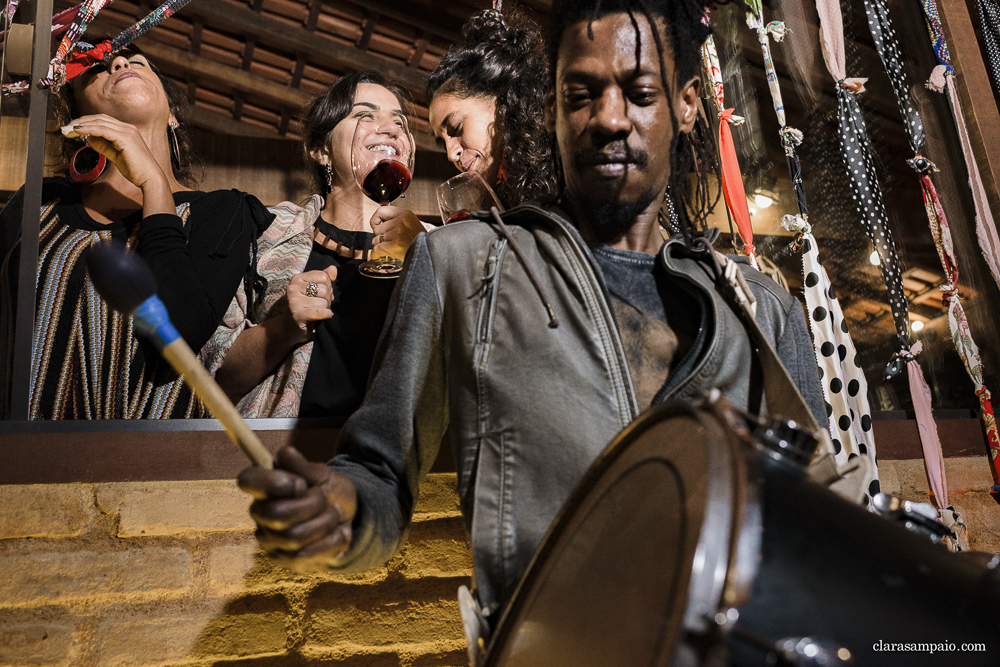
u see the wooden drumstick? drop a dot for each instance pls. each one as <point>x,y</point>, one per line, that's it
<point>127,284</point>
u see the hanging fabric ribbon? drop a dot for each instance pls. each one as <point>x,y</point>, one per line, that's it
<point>888,49</point>
<point>961,335</point>
<point>732,178</point>
<point>70,61</point>
<point>56,76</point>
<point>845,388</point>
<point>60,22</point>
<point>856,150</point>
<point>10,10</point>
<point>943,81</point>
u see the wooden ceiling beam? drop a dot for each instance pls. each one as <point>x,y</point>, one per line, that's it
<point>273,32</point>
<point>444,26</point>
<point>217,123</point>
<point>245,83</point>
<point>236,79</point>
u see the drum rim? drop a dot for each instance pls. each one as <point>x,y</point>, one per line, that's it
<point>735,559</point>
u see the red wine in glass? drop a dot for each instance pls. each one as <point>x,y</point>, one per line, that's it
<point>386,181</point>
<point>464,214</point>
<point>382,160</point>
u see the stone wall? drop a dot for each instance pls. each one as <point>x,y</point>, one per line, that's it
<point>169,573</point>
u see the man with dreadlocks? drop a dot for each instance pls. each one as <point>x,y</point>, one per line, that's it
<point>538,335</point>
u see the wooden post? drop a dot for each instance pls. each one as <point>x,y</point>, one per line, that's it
<point>978,104</point>
<point>28,263</point>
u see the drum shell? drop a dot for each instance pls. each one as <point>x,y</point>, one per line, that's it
<point>802,562</point>
<point>830,569</point>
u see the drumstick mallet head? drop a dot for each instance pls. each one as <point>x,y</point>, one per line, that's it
<point>127,284</point>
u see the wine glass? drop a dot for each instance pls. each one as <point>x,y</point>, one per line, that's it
<point>461,195</point>
<point>382,161</point>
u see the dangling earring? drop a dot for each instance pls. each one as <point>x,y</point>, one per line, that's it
<point>86,165</point>
<point>175,147</point>
<point>329,176</point>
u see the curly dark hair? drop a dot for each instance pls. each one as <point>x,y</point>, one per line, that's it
<point>686,26</point>
<point>185,164</point>
<point>503,57</point>
<point>332,106</point>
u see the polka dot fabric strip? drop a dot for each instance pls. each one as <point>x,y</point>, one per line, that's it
<point>888,49</point>
<point>989,15</point>
<point>845,388</point>
<point>867,194</point>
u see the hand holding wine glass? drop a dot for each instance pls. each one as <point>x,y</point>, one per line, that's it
<point>382,161</point>
<point>462,195</point>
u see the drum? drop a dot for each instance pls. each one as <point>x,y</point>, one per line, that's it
<point>690,541</point>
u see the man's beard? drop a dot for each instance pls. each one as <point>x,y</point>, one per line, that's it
<point>612,219</point>
<point>609,216</point>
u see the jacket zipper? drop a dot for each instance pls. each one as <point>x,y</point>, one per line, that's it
<point>606,323</point>
<point>490,282</point>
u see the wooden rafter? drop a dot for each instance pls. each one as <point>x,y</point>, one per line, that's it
<point>324,50</point>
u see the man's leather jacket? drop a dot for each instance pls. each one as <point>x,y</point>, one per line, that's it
<point>468,345</point>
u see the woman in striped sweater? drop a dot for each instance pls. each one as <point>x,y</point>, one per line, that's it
<point>86,361</point>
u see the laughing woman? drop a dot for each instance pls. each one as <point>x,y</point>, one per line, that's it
<point>86,361</point>
<point>306,349</point>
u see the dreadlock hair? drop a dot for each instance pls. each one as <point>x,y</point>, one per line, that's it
<point>503,57</point>
<point>186,165</point>
<point>685,24</point>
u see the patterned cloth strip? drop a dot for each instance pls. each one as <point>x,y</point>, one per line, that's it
<point>867,194</point>
<point>10,10</point>
<point>77,62</point>
<point>986,232</point>
<point>856,149</point>
<point>845,388</point>
<point>933,21</point>
<point>887,46</point>
<point>732,178</point>
<point>989,16</point>
<point>57,70</point>
<point>60,22</point>
<point>961,335</point>
<point>884,36</point>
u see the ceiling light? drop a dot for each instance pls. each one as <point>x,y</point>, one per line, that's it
<point>874,258</point>
<point>916,325</point>
<point>762,200</point>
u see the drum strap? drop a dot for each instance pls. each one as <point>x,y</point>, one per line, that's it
<point>783,397</point>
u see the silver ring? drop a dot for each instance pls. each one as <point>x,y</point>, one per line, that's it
<point>312,289</point>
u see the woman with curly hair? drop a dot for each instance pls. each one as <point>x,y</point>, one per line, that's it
<point>487,95</point>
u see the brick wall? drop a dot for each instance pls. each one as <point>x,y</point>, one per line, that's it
<point>168,573</point>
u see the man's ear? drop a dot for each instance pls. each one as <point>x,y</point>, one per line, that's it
<point>688,108</point>
<point>550,111</point>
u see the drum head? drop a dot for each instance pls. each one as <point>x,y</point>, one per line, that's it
<point>609,584</point>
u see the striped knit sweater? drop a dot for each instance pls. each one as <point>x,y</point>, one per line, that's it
<point>86,361</point>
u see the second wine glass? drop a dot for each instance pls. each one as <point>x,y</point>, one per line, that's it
<point>382,161</point>
<point>461,196</point>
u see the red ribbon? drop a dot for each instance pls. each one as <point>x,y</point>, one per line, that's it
<point>990,422</point>
<point>732,182</point>
<point>79,62</point>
